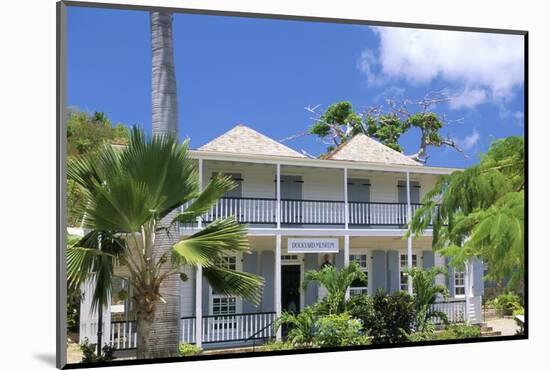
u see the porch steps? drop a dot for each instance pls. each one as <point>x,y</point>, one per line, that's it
<point>487,331</point>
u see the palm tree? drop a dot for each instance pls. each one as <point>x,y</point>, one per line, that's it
<point>164,92</point>
<point>336,282</point>
<point>128,191</point>
<point>425,294</point>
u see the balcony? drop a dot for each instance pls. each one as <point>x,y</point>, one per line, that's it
<point>310,212</point>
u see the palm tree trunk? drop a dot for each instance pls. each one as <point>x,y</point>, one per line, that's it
<point>145,313</point>
<point>164,94</point>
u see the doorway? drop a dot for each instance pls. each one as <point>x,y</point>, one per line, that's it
<point>290,288</point>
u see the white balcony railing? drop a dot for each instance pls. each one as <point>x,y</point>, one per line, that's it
<point>229,328</point>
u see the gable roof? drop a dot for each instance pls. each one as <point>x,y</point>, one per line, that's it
<point>244,140</point>
<point>362,148</point>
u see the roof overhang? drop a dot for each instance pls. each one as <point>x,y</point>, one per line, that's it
<point>321,163</point>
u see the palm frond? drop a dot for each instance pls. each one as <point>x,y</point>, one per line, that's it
<point>215,189</point>
<point>94,256</point>
<point>231,282</point>
<point>206,246</point>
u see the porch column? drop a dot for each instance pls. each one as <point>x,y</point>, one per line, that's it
<point>198,281</point>
<point>278,180</point>
<point>278,282</point>
<point>198,306</point>
<point>468,287</point>
<point>409,239</point>
<point>346,258</point>
<point>346,208</point>
<point>199,219</point>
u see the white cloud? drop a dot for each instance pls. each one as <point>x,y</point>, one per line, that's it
<point>492,63</point>
<point>469,98</point>
<point>469,141</point>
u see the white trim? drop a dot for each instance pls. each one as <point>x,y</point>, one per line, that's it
<point>409,238</point>
<point>199,218</point>
<point>278,211</point>
<point>277,283</point>
<point>321,232</point>
<point>346,251</point>
<point>346,207</point>
<point>409,265</point>
<point>198,306</point>
<point>323,163</point>
<point>455,271</point>
<point>368,253</point>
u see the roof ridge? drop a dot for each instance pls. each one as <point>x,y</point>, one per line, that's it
<point>398,156</point>
<point>229,143</point>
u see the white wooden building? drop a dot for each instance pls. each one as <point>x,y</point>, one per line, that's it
<point>352,205</point>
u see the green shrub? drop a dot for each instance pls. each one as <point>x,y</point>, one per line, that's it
<point>421,336</point>
<point>361,307</point>
<point>89,352</point>
<point>394,316</point>
<point>300,327</point>
<point>338,330</point>
<point>459,332</point>
<point>508,302</point>
<point>188,349</point>
<point>276,346</point>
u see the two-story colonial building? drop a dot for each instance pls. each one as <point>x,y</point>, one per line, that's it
<point>301,212</point>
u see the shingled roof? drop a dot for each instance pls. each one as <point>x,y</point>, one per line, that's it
<point>362,148</point>
<point>244,140</point>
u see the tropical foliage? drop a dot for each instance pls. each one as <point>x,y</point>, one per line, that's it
<point>89,352</point>
<point>308,329</point>
<point>509,303</point>
<point>188,349</point>
<point>336,282</point>
<point>86,134</point>
<point>340,122</point>
<point>425,294</point>
<point>451,332</point>
<point>129,194</point>
<point>394,317</point>
<point>339,330</point>
<point>479,212</point>
<point>301,326</point>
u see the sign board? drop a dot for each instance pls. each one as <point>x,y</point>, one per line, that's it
<point>308,245</point>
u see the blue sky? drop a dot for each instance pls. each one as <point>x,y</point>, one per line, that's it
<point>263,73</point>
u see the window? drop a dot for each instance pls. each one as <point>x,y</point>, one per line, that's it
<point>121,302</point>
<point>359,287</point>
<point>224,304</point>
<point>289,257</point>
<point>460,288</point>
<point>403,276</point>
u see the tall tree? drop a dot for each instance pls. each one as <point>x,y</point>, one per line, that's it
<point>479,212</point>
<point>128,192</point>
<point>340,122</point>
<point>164,92</point>
<point>86,134</point>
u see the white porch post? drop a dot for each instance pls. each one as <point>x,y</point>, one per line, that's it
<point>346,208</point>
<point>278,212</point>
<point>346,258</point>
<point>198,306</point>
<point>198,282</point>
<point>278,282</point>
<point>467,290</point>
<point>199,219</point>
<point>409,239</point>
